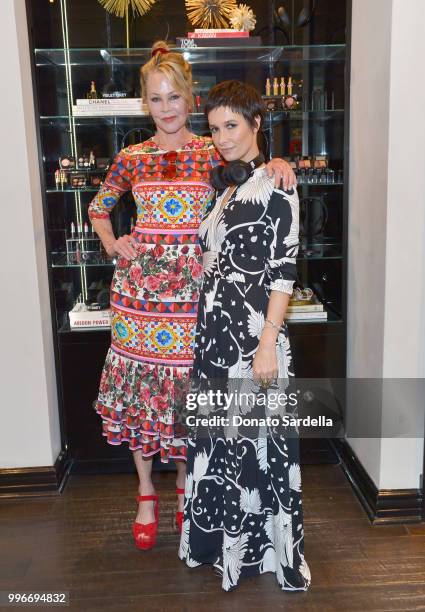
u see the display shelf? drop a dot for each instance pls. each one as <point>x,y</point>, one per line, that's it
<point>96,189</point>
<point>76,190</point>
<point>275,116</point>
<point>332,320</point>
<point>205,55</point>
<point>313,252</point>
<point>60,260</point>
<point>106,264</point>
<point>63,76</point>
<point>311,184</point>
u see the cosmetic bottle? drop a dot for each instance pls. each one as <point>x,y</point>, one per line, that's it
<point>57,178</point>
<point>92,161</point>
<point>275,87</point>
<point>282,87</point>
<point>330,175</point>
<point>290,100</point>
<point>92,94</point>
<point>268,88</point>
<point>290,86</point>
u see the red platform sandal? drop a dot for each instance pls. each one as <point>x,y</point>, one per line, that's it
<point>179,515</point>
<point>145,535</point>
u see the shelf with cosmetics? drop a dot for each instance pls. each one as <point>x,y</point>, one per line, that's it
<point>97,110</point>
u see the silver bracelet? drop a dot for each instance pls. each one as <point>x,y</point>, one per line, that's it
<point>279,329</point>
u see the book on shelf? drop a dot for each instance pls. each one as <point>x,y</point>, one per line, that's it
<point>78,111</point>
<point>203,30</point>
<point>193,43</point>
<point>94,102</point>
<point>82,318</point>
<point>306,316</point>
<point>211,34</point>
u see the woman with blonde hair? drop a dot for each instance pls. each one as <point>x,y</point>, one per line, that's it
<point>155,287</point>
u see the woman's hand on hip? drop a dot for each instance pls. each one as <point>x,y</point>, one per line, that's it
<point>282,172</point>
<point>125,246</point>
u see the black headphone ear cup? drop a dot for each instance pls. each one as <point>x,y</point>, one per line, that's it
<point>216,178</point>
<point>238,172</point>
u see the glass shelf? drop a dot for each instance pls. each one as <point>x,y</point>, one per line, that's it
<point>335,184</point>
<point>313,252</point>
<point>273,118</point>
<point>332,320</point>
<point>70,190</point>
<point>83,265</point>
<point>60,260</point>
<point>96,189</point>
<point>320,251</point>
<point>198,55</point>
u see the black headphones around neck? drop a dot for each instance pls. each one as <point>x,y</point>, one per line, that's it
<point>234,173</point>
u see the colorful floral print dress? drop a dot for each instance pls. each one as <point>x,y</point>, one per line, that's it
<point>154,297</point>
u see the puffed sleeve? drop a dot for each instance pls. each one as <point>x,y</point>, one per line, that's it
<point>117,182</point>
<point>283,239</point>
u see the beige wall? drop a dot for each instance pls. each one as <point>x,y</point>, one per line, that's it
<point>387,227</point>
<point>28,411</point>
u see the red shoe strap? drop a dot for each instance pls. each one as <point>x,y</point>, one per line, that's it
<point>180,491</point>
<point>147,498</point>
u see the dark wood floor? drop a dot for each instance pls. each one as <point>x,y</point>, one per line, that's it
<point>81,542</point>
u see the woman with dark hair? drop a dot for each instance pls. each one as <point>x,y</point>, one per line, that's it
<point>243,511</point>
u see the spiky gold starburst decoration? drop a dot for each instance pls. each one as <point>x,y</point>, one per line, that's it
<point>243,18</point>
<point>121,7</point>
<point>210,13</point>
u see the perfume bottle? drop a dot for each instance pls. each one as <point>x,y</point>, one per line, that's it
<point>92,94</point>
<point>290,100</point>
<point>275,87</point>
<point>268,88</point>
<point>290,86</point>
<point>282,87</point>
<point>92,160</point>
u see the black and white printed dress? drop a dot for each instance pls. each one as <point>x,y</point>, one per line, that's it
<point>243,509</point>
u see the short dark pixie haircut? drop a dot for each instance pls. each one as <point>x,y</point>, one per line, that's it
<point>240,97</point>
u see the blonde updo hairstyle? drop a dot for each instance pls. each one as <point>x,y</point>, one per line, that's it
<point>173,66</point>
